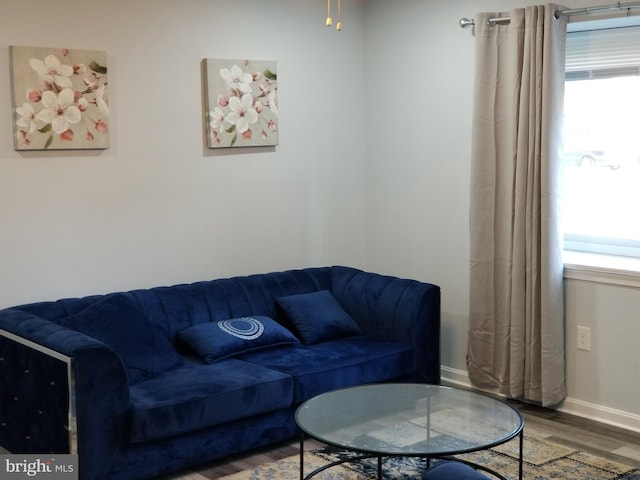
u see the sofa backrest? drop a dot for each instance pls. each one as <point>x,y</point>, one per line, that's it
<point>178,307</point>
<point>174,308</point>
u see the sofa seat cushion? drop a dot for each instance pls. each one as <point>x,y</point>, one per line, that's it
<point>338,363</point>
<point>194,395</point>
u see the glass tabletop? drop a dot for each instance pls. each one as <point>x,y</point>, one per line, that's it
<point>409,419</point>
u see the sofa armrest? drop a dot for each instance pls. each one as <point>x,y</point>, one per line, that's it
<point>35,413</point>
<point>397,309</point>
<point>72,377</point>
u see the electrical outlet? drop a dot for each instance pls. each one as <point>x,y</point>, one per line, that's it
<point>584,338</point>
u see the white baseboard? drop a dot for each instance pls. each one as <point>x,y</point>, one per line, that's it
<point>573,406</point>
<point>454,377</point>
<point>599,413</point>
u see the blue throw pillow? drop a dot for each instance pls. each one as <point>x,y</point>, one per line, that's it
<point>318,316</point>
<point>117,322</point>
<point>448,470</point>
<point>214,341</point>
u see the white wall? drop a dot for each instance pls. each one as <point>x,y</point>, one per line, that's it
<point>372,168</point>
<point>419,69</point>
<point>158,207</point>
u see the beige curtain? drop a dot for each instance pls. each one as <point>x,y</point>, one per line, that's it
<point>516,324</point>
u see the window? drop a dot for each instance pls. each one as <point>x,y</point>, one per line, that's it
<point>602,140</point>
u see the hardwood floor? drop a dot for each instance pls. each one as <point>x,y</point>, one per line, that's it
<point>600,439</point>
<point>587,435</point>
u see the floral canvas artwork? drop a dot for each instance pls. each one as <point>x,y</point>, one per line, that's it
<point>241,99</point>
<point>60,98</point>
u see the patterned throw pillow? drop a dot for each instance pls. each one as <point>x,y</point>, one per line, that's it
<point>214,341</point>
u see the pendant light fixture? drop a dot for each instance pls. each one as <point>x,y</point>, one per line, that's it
<point>329,21</point>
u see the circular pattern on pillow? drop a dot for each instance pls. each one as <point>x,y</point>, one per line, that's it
<point>246,328</point>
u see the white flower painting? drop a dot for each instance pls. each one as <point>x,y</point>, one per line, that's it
<point>241,103</point>
<point>60,98</point>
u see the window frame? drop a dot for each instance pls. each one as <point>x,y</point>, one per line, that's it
<point>598,259</point>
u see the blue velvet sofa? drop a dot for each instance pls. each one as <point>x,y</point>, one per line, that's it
<point>146,382</point>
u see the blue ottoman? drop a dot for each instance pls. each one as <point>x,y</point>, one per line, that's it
<point>452,470</point>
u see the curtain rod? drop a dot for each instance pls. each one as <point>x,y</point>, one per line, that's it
<point>468,22</point>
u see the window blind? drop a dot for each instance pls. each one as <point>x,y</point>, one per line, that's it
<point>605,53</point>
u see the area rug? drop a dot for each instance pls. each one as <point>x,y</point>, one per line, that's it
<point>543,460</point>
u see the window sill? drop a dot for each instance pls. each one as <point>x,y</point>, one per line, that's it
<point>606,269</point>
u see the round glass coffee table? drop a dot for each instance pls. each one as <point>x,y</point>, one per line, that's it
<point>413,420</point>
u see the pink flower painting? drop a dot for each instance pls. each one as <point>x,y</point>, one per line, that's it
<point>60,98</point>
<point>241,103</point>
